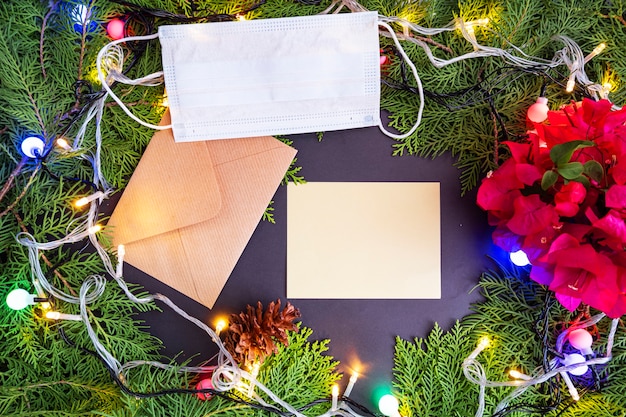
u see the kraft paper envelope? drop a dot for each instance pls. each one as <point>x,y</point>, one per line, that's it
<point>363,240</point>
<point>190,208</point>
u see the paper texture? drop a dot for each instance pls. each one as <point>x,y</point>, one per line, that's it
<point>190,208</point>
<point>363,240</point>
<point>272,76</point>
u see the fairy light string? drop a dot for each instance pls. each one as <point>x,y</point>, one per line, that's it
<point>475,373</point>
<point>227,376</point>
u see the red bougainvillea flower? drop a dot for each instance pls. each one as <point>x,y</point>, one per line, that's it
<point>531,215</point>
<point>568,198</point>
<point>561,198</point>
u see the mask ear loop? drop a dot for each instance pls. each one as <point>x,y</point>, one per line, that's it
<point>420,89</point>
<point>114,61</point>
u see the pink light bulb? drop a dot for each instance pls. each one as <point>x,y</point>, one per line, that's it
<point>115,29</point>
<point>538,112</point>
<point>581,339</point>
<point>205,384</point>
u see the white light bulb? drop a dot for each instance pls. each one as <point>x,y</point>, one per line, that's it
<point>32,146</point>
<point>519,258</point>
<point>573,359</point>
<point>80,14</point>
<point>388,405</point>
<point>538,112</point>
<point>19,299</point>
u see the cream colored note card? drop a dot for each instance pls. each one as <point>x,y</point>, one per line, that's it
<point>371,240</point>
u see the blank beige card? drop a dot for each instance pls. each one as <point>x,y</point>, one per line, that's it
<point>364,240</point>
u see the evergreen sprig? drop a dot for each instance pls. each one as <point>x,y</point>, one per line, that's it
<point>44,55</point>
<point>428,373</point>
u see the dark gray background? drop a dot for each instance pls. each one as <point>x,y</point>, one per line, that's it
<point>359,329</point>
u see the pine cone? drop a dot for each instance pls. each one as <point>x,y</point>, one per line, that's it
<point>253,334</point>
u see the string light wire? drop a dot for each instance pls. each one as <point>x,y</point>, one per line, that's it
<point>475,373</point>
<point>227,375</point>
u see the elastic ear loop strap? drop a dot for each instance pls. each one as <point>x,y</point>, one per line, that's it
<point>105,85</point>
<point>420,89</point>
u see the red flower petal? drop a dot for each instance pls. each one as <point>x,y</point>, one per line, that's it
<point>616,197</point>
<point>528,174</point>
<point>505,239</point>
<point>542,274</point>
<point>614,227</point>
<point>567,301</point>
<point>569,197</point>
<point>618,172</point>
<point>531,215</point>
<point>594,112</point>
<point>519,151</point>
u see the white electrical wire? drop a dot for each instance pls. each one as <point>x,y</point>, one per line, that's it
<point>475,373</point>
<point>420,89</point>
<point>226,374</point>
<point>110,59</point>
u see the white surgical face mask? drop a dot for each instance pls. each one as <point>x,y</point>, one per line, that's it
<point>270,76</point>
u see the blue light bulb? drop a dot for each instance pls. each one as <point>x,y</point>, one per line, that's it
<point>519,258</point>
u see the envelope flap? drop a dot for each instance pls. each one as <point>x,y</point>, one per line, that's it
<point>185,191</point>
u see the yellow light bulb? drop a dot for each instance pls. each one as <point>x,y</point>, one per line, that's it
<point>86,200</point>
<point>53,315</point>
<point>599,49</point>
<point>94,229</point>
<point>514,373</point>
<point>220,325</point>
<point>62,143</point>
<point>484,342</point>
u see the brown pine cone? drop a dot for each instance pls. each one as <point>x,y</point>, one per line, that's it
<point>253,334</point>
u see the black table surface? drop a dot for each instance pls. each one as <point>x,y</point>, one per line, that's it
<point>361,331</point>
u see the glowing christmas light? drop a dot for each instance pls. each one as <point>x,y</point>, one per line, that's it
<point>19,299</point>
<point>33,146</point>
<point>204,384</point>
<point>519,258</point>
<point>573,359</point>
<point>598,49</point>
<point>538,112</point>
<point>94,229</point>
<point>55,315</point>
<point>582,340</point>
<point>62,143</point>
<point>115,28</point>
<point>220,325</point>
<point>513,373</point>
<point>81,17</point>
<point>351,383</point>
<point>335,397</point>
<point>86,200</point>
<point>389,405</point>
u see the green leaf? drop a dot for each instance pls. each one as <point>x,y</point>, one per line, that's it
<point>561,154</point>
<point>570,170</point>
<point>594,170</point>
<point>548,179</point>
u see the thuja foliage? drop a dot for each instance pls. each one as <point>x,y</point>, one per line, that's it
<point>48,76</point>
<point>428,375</point>
<point>300,373</point>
